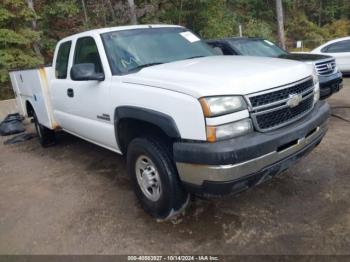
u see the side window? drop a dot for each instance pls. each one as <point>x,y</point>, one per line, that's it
<point>216,46</point>
<point>86,52</point>
<point>62,60</point>
<point>227,50</point>
<point>224,49</point>
<point>339,47</point>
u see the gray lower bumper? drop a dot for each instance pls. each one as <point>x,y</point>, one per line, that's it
<point>201,163</point>
<point>196,174</point>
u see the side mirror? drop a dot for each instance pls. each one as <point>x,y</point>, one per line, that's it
<point>85,72</point>
<point>218,50</point>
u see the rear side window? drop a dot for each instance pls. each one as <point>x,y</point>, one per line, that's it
<point>224,49</point>
<point>227,50</point>
<point>86,52</point>
<point>62,60</point>
<point>339,47</point>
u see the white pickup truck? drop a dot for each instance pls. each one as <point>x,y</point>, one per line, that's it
<point>188,121</point>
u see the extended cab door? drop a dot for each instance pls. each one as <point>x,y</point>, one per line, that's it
<point>83,108</point>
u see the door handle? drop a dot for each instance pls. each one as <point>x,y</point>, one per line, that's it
<point>70,92</point>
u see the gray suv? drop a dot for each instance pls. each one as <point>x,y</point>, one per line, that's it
<point>331,80</point>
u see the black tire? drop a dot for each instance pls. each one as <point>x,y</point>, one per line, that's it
<point>46,136</point>
<point>173,197</point>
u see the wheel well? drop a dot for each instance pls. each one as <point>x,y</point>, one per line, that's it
<point>129,128</point>
<point>29,109</point>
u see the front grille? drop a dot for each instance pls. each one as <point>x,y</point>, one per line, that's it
<point>271,110</point>
<point>278,117</point>
<point>326,67</point>
<point>264,99</point>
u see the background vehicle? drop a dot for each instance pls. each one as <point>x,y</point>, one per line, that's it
<point>338,48</point>
<point>187,120</point>
<point>330,78</point>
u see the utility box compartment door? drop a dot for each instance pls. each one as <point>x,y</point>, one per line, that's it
<point>32,86</point>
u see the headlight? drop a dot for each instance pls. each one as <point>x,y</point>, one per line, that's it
<point>315,76</point>
<point>231,130</point>
<point>221,105</point>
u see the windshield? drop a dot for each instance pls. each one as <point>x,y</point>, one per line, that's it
<point>131,50</point>
<point>257,47</point>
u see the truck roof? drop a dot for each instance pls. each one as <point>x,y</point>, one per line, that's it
<point>116,28</point>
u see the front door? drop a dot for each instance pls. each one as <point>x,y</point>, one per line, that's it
<point>83,106</point>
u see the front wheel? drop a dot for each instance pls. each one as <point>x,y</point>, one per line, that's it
<point>46,136</point>
<point>155,179</point>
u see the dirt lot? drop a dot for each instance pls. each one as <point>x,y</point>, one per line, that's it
<point>75,198</point>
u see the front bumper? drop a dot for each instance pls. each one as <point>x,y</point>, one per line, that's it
<point>232,165</point>
<point>330,84</point>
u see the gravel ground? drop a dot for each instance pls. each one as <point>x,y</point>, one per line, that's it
<point>75,198</point>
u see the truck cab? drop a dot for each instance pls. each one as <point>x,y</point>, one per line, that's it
<point>187,120</point>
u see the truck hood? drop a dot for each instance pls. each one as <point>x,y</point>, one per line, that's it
<point>305,57</point>
<point>221,75</point>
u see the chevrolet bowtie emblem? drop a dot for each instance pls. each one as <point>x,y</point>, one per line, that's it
<point>294,100</point>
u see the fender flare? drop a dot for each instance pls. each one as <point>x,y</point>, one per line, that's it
<point>165,122</point>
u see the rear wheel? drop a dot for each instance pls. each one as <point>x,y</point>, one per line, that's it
<point>46,136</point>
<point>155,179</point>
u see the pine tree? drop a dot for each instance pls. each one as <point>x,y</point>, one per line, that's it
<point>58,19</point>
<point>16,38</point>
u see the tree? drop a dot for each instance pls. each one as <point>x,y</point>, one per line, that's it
<point>320,10</point>
<point>16,38</point>
<point>280,23</point>
<point>29,28</point>
<point>110,6</point>
<point>256,28</point>
<point>36,44</point>
<point>133,17</point>
<point>58,19</point>
<point>83,5</point>
<point>219,21</point>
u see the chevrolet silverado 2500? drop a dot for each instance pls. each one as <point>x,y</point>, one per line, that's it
<point>188,121</point>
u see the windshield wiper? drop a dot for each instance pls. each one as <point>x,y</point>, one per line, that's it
<point>139,67</point>
<point>193,57</point>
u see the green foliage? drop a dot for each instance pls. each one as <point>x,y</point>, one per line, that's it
<point>339,28</point>
<point>12,58</point>
<point>210,19</point>
<point>256,28</point>
<point>11,37</point>
<point>16,39</point>
<point>300,28</point>
<point>61,9</point>
<point>246,10</point>
<point>220,22</point>
<point>5,15</point>
<point>58,19</point>
<point>313,21</point>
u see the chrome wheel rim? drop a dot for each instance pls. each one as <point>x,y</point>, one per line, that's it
<point>148,178</point>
